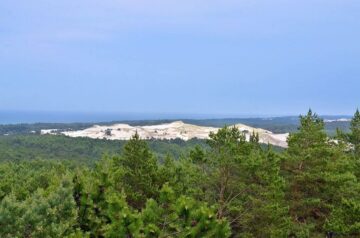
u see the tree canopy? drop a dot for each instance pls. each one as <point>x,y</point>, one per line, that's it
<point>228,187</point>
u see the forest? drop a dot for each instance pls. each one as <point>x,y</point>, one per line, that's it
<point>54,186</point>
<point>83,150</point>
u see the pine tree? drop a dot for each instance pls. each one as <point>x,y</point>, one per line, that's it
<point>181,216</point>
<point>170,216</point>
<point>49,213</point>
<point>197,155</point>
<point>319,177</point>
<point>254,138</point>
<point>345,217</point>
<point>246,182</point>
<point>184,176</point>
<point>226,149</point>
<point>310,136</point>
<point>140,172</point>
<point>355,133</point>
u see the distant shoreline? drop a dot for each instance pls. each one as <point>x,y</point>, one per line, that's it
<point>28,117</point>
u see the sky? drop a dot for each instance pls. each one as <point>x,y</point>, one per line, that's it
<point>228,57</point>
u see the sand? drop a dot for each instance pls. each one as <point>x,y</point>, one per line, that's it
<point>174,130</point>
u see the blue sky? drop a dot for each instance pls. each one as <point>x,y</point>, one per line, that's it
<point>229,57</point>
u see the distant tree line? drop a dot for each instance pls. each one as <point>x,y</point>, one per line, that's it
<point>276,125</point>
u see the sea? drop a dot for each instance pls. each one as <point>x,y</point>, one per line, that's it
<point>29,117</point>
<point>18,117</point>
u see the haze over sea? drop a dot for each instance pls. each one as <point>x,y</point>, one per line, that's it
<point>16,117</point>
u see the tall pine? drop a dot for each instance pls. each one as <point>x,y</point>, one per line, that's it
<point>140,172</point>
<point>319,177</point>
<point>355,133</point>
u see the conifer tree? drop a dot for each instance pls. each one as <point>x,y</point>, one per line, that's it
<point>246,182</point>
<point>254,138</point>
<point>226,149</point>
<point>44,214</point>
<point>184,176</point>
<point>140,172</point>
<point>197,155</point>
<point>90,191</point>
<point>319,176</point>
<point>310,135</point>
<point>355,133</point>
<point>170,216</point>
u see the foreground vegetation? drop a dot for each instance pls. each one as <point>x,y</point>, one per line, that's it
<point>227,188</point>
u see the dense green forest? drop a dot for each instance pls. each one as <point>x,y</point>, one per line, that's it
<point>222,187</point>
<point>83,150</point>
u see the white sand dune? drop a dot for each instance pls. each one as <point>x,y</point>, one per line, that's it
<point>177,129</point>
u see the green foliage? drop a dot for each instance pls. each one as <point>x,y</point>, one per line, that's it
<point>354,136</point>
<point>319,174</point>
<point>183,176</point>
<point>81,150</point>
<point>49,212</point>
<point>140,178</point>
<point>311,135</point>
<point>226,188</point>
<point>249,188</point>
<point>170,217</point>
<point>197,155</point>
<point>345,220</point>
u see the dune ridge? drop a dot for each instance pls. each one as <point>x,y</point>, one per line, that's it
<point>167,131</point>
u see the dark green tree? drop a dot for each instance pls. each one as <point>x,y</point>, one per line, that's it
<point>170,216</point>
<point>49,213</point>
<point>319,176</point>
<point>254,138</point>
<point>244,183</point>
<point>310,136</point>
<point>197,155</point>
<point>355,133</point>
<point>224,157</point>
<point>140,177</point>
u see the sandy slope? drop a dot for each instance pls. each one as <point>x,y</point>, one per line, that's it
<point>177,129</point>
<point>172,130</point>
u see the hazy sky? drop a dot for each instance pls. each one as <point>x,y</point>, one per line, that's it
<point>187,56</point>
